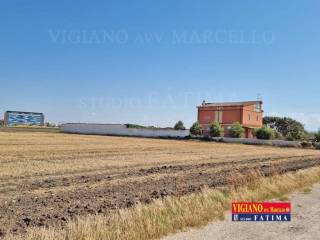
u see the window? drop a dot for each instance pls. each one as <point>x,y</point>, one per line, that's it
<point>218,116</point>
<point>257,107</point>
<point>249,117</point>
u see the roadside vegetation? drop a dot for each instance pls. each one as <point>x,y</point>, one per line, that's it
<point>174,214</point>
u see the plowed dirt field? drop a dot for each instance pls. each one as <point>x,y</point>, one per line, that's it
<point>47,179</point>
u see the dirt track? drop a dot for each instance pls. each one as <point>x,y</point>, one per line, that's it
<point>48,199</point>
<point>304,224</point>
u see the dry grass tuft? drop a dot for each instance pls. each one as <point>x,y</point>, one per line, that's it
<point>173,214</point>
<point>236,179</point>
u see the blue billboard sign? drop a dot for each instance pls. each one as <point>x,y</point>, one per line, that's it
<point>23,118</point>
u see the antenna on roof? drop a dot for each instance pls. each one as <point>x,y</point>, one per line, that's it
<point>259,97</point>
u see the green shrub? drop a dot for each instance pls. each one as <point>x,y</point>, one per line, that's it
<point>277,135</point>
<point>306,144</point>
<point>196,129</point>
<point>290,138</point>
<point>265,133</point>
<point>317,136</point>
<point>216,130</point>
<point>236,130</point>
<point>296,134</point>
<point>179,126</point>
<point>317,145</point>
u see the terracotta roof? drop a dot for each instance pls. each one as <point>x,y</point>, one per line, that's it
<point>224,104</point>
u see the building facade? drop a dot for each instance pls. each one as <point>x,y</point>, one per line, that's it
<point>12,118</point>
<point>249,114</point>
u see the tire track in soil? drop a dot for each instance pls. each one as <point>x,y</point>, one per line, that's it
<point>122,173</point>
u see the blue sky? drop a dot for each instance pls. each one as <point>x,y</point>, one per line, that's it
<point>153,62</point>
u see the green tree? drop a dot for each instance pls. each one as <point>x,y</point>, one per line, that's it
<point>196,129</point>
<point>179,126</point>
<point>297,134</point>
<point>1,122</point>
<point>216,130</point>
<point>236,130</point>
<point>265,133</point>
<point>288,127</point>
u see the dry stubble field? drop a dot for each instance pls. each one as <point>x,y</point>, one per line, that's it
<point>47,179</point>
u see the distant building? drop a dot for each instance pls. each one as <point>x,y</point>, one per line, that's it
<point>249,114</point>
<point>12,118</point>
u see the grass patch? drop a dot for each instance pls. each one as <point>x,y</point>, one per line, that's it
<point>173,214</point>
<point>283,198</point>
<point>306,190</point>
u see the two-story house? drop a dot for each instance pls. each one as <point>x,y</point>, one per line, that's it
<point>249,114</point>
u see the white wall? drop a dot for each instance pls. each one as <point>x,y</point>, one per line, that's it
<point>121,130</point>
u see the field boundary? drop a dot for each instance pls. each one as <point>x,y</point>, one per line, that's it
<point>30,129</point>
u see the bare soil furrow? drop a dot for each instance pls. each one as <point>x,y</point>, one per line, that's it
<point>46,179</point>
